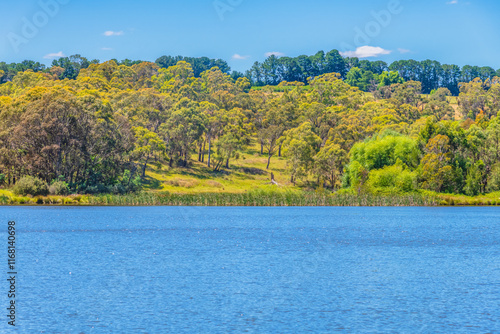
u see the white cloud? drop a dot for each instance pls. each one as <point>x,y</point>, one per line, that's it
<point>107,49</point>
<point>366,52</point>
<point>239,57</point>
<point>112,33</point>
<point>404,50</point>
<point>452,2</point>
<point>274,53</point>
<point>54,55</point>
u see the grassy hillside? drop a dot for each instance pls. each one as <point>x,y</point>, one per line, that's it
<point>246,173</point>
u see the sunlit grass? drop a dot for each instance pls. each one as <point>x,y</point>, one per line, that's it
<point>492,199</point>
<point>246,173</point>
<point>7,197</point>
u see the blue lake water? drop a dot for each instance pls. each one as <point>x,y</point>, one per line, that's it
<point>255,270</point>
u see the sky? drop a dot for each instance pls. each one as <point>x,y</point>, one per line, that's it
<point>244,31</point>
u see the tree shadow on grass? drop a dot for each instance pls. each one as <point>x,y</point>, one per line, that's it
<point>251,170</point>
<point>152,183</point>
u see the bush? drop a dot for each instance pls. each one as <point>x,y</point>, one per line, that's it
<point>94,189</point>
<point>124,185</point>
<point>393,179</point>
<point>59,188</point>
<point>29,185</point>
<point>385,150</point>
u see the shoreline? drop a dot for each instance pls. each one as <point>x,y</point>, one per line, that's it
<point>251,199</point>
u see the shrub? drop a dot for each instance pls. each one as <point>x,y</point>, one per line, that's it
<point>385,150</point>
<point>393,178</point>
<point>59,188</point>
<point>94,189</point>
<point>29,185</point>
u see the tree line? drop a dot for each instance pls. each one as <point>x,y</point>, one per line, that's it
<point>69,67</point>
<point>365,74</point>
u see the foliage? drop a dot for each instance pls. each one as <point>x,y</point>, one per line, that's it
<point>474,181</point>
<point>389,78</point>
<point>363,79</point>
<point>30,185</point>
<point>329,163</point>
<point>392,179</point>
<point>385,150</point>
<point>59,188</point>
<point>494,179</point>
<point>300,146</point>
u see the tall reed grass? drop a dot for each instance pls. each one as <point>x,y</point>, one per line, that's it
<point>263,198</point>
<point>259,197</point>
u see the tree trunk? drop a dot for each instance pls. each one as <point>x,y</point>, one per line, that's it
<point>279,151</point>
<point>144,168</point>
<point>227,163</point>
<point>203,152</point>
<point>199,152</point>
<point>261,148</point>
<point>269,160</point>
<point>209,151</point>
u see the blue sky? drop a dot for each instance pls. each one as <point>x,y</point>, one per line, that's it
<point>244,31</point>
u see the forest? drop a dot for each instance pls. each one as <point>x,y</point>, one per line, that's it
<point>339,124</point>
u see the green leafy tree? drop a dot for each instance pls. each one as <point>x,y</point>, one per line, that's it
<point>493,140</point>
<point>389,78</point>
<point>435,168</point>
<point>385,150</point>
<point>474,183</point>
<point>234,137</point>
<point>329,163</point>
<point>364,80</point>
<point>494,178</point>
<point>300,146</point>
<point>472,99</point>
<point>182,130</point>
<point>147,144</point>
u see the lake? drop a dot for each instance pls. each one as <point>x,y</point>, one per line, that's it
<point>254,270</point>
